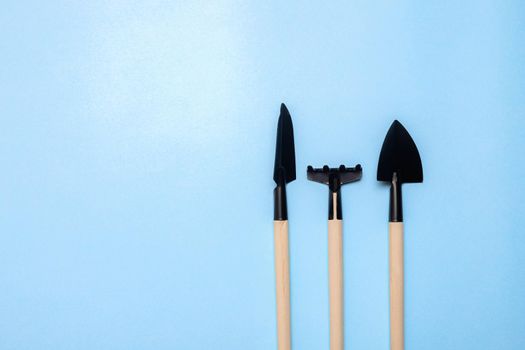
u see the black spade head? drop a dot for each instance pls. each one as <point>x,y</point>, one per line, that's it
<point>399,163</point>
<point>284,168</point>
<point>399,155</point>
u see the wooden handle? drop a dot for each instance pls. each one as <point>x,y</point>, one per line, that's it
<point>282,284</point>
<point>397,341</point>
<point>335,272</point>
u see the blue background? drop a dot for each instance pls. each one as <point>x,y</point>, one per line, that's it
<point>137,146</point>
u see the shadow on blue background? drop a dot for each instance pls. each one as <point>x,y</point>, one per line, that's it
<point>137,146</point>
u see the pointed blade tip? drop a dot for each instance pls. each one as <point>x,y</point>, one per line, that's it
<point>284,111</point>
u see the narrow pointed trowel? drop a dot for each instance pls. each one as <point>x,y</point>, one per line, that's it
<point>399,163</point>
<point>283,173</point>
<point>335,178</point>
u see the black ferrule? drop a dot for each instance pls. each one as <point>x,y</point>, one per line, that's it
<point>339,208</point>
<point>279,208</point>
<point>396,203</point>
<point>334,185</point>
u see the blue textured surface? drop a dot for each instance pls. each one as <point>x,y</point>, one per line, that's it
<point>137,146</point>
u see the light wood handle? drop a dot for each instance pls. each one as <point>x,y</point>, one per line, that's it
<point>282,284</point>
<point>397,341</point>
<point>335,272</point>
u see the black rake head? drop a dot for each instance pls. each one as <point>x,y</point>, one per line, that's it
<point>334,177</point>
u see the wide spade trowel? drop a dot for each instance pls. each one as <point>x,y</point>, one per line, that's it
<point>399,163</point>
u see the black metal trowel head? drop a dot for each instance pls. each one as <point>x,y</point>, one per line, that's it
<point>284,167</point>
<point>399,162</point>
<point>399,155</point>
